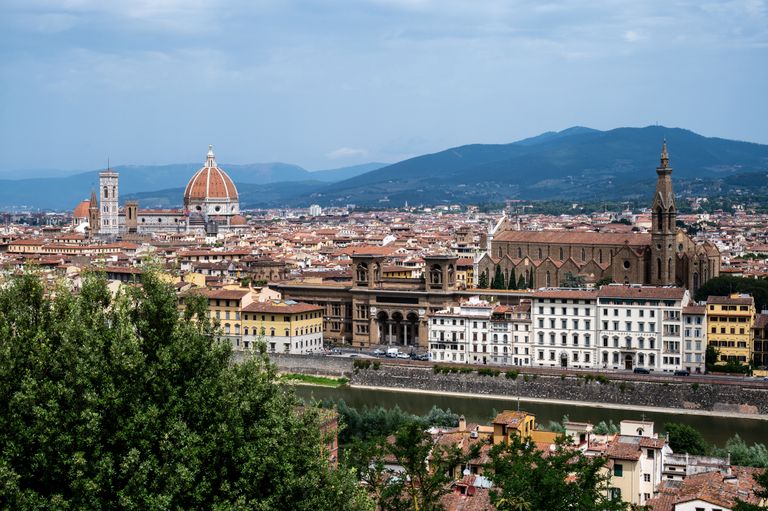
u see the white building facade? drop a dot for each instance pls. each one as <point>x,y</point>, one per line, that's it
<point>564,328</point>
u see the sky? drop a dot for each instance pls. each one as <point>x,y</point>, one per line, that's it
<point>331,83</point>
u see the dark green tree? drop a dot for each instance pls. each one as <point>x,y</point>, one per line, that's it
<point>724,285</point>
<point>711,355</point>
<point>573,281</point>
<point>482,280</point>
<point>604,281</point>
<point>521,284</point>
<point>525,477</point>
<point>428,470</point>
<point>498,279</point>
<point>512,280</point>
<point>685,439</point>
<point>121,403</point>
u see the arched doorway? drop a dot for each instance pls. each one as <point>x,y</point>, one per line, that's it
<point>628,362</point>
<point>385,327</point>
<point>398,328</point>
<point>412,329</point>
<point>563,359</point>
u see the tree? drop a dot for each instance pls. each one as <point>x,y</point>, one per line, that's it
<point>604,281</point>
<point>685,439</point>
<point>120,403</point>
<point>573,281</point>
<point>498,279</point>
<point>525,477</point>
<point>482,280</point>
<point>426,481</point>
<point>512,280</point>
<point>724,285</point>
<point>711,356</point>
<point>521,282</point>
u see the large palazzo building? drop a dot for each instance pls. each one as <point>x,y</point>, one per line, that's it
<point>665,256</point>
<point>211,204</point>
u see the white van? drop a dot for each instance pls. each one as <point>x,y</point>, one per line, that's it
<point>392,352</point>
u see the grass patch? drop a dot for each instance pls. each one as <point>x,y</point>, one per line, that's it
<point>325,381</point>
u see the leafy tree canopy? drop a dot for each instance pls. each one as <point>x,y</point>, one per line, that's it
<point>685,439</point>
<point>120,403</point>
<point>525,477</point>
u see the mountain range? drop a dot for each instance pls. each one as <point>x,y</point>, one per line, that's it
<point>578,163</point>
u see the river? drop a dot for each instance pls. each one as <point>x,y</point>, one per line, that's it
<point>716,430</point>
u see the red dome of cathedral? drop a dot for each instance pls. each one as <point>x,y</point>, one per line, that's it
<point>210,183</point>
<point>81,210</point>
<point>238,220</point>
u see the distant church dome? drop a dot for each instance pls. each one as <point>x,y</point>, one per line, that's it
<point>238,220</point>
<point>81,210</point>
<point>211,191</point>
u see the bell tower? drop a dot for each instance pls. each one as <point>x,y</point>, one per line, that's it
<point>663,227</point>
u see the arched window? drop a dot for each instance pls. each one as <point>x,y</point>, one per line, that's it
<point>658,268</point>
<point>245,331</point>
<point>600,255</point>
<point>519,253</point>
<point>499,251</point>
<point>561,253</point>
<point>669,268</point>
<point>548,280</point>
<point>106,192</point>
<point>540,255</point>
<point>583,254</point>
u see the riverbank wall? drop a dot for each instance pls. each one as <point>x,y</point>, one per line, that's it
<point>686,393</point>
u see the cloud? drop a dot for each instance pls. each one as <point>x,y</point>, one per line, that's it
<point>347,152</point>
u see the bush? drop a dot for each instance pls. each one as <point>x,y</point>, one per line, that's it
<point>525,378</point>
<point>512,375</point>
<point>602,379</point>
<point>376,365</point>
<point>487,371</point>
<point>361,364</point>
<point>623,386</point>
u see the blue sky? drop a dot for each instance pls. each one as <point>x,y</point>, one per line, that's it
<point>329,83</point>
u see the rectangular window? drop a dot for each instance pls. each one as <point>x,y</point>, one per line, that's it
<point>618,470</point>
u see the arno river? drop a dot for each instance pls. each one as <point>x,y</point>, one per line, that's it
<point>479,409</point>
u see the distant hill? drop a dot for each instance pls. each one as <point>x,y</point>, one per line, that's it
<point>577,163</point>
<point>251,195</point>
<point>65,192</point>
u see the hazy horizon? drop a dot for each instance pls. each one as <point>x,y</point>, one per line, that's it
<point>332,84</point>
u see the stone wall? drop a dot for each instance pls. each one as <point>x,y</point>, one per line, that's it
<point>685,393</point>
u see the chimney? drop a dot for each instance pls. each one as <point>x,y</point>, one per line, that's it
<point>462,423</point>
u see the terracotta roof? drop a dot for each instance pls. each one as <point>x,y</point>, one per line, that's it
<point>663,293</point>
<point>222,294</point>
<point>81,210</point>
<point>510,418</point>
<point>695,309</point>
<point>210,182</point>
<point>575,238</point>
<point>716,488</point>
<point>727,300</point>
<point>281,307</point>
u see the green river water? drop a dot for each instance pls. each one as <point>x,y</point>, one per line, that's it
<point>479,409</point>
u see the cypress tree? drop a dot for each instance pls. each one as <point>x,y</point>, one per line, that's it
<point>512,280</point>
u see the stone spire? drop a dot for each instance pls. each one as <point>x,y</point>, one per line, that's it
<point>663,225</point>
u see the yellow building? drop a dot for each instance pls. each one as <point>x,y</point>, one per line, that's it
<point>730,320</point>
<point>286,326</point>
<point>224,307</point>
<point>509,423</point>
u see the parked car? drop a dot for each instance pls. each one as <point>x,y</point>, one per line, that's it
<point>414,356</point>
<point>682,372</point>
<point>392,352</point>
<point>641,370</point>
<point>403,355</point>
<point>426,356</point>
<point>379,352</point>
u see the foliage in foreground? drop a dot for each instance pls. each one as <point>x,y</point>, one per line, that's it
<point>526,477</point>
<point>121,404</point>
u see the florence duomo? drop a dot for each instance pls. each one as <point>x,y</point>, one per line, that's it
<point>211,205</point>
<point>665,256</point>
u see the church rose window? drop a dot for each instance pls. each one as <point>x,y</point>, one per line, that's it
<point>627,265</point>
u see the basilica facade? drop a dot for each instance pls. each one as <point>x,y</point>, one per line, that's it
<point>665,256</point>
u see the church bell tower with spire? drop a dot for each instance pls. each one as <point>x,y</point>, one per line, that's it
<point>663,226</point>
